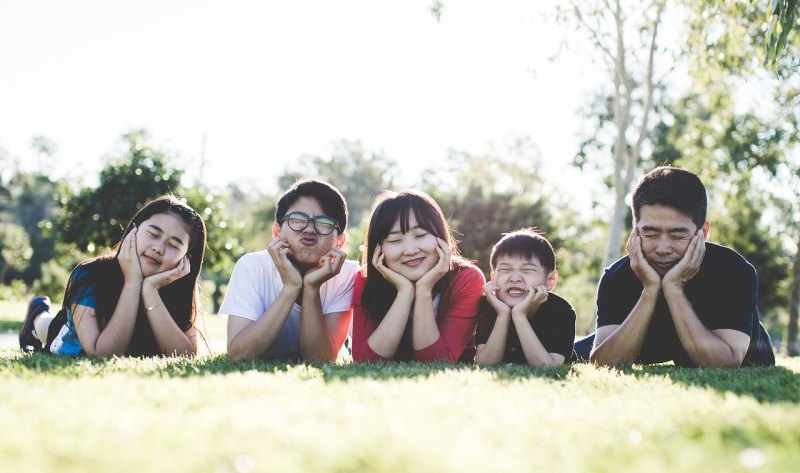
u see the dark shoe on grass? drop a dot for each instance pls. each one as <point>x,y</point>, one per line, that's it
<point>27,341</point>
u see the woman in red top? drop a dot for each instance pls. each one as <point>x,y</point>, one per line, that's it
<point>415,298</point>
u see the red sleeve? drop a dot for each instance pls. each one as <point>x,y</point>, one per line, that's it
<point>456,317</point>
<point>363,327</point>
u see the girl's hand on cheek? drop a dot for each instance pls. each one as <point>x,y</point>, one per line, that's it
<point>169,276</point>
<point>397,280</point>
<point>128,258</point>
<point>440,269</point>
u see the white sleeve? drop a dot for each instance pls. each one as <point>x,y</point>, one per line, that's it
<point>339,293</point>
<point>243,297</point>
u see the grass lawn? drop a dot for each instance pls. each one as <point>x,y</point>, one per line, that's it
<point>212,415</point>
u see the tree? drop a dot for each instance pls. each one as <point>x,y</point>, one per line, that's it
<point>782,15</point>
<point>95,218</point>
<point>485,196</point>
<point>359,174</point>
<point>726,41</point>
<point>621,33</point>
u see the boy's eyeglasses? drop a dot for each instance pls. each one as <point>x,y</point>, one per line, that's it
<point>298,221</point>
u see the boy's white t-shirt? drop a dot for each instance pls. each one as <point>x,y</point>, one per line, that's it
<point>255,284</point>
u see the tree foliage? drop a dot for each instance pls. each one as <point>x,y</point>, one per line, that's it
<point>95,217</point>
<point>359,174</point>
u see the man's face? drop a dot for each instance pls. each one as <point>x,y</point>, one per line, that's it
<point>666,234</point>
<point>515,276</point>
<point>307,246</point>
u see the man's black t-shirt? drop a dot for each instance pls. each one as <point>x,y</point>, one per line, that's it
<point>553,323</point>
<point>723,294</point>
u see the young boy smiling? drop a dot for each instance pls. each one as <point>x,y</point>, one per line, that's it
<point>520,320</point>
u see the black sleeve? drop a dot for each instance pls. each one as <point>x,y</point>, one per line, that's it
<point>617,294</point>
<point>556,328</point>
<point>486,319</point>
<point>731,299</point>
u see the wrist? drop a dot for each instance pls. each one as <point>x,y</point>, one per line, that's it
<point>651,292</point>
<point>423,291</point>
<point>672,289</point>
<point>519,314</point>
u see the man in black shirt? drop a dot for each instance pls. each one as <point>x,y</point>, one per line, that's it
<point>676,297</point>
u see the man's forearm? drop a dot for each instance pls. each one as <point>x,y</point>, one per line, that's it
<point>255,340</point>
<point>703,347</point>
<point>624,344</point>
<point>315,341</point>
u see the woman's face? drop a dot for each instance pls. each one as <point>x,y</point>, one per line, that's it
<point>411,254</point>
<point>161,241</point>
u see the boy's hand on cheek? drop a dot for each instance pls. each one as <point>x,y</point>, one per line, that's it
<point>489,289</point>
<point>527,307</point>
<point>329,266</point>
<point>279,251</point>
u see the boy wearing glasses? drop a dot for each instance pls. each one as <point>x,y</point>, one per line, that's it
<point>520,320</point>
<point>292,300</point>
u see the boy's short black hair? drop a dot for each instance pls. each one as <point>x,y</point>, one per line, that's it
<point>329,198</point>
<point>525,243</point>
<point>672,187</point>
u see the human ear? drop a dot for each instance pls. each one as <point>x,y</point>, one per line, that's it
<point>552,280</point>
<point>276,230</point>
<point>340,240</point>
<point>706,228</point>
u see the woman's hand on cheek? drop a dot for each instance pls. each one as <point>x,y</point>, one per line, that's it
<point>439,270</point>
<point>169,276</point>
<point>396,279</point>
<point>128,258</point>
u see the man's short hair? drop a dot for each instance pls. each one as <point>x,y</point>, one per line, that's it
<point>329,198</point>
<point>525,243</point>
<point>672,187</point>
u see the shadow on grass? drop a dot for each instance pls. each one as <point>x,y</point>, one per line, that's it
<point>764,384</point>
<point>18,364</point>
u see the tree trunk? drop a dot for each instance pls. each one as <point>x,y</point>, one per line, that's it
<point>792,347</point>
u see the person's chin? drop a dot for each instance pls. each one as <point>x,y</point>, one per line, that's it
<point>510,302</point>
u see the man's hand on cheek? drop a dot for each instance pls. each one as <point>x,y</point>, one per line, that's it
<point>641,268</point>
<point>689,265</point>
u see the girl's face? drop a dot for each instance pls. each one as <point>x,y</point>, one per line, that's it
<point>411,254</point>
<point>161,240</point>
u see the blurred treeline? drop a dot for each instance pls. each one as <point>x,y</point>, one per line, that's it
<point>748,158</point>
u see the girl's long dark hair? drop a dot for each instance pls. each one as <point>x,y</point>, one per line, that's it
<point>181,297</point>
<point>391,207</point>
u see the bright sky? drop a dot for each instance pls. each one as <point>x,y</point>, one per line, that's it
<point>268,81</point>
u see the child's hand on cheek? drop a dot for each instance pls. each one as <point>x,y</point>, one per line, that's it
<point>527,307</point>
<point>490,291</point>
